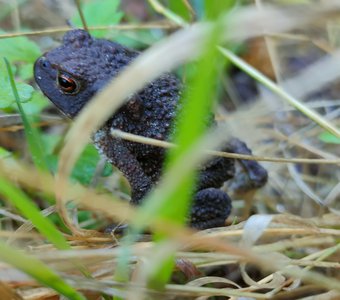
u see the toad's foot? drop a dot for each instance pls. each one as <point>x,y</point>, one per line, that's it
<point>211,208</point>
<point>251,175</point>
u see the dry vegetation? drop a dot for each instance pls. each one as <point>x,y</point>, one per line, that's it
<point>282,241</point>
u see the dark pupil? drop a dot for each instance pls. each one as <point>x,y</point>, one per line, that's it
<point>66,83</point>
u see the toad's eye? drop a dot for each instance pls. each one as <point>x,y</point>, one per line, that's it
<point>67,84</point>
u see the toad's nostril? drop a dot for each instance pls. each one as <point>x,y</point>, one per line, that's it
<point>44,62</point>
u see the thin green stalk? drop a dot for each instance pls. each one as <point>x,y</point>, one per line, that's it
<point>33,138</point>
<point>191,124</point>
<point>26,206</point>
<point>37,270</point>
<point>251,71</point>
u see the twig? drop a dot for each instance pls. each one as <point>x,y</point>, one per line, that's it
<point>63,29</point>
<point>158,143</point>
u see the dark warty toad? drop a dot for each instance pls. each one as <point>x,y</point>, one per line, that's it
<point>73,73</point>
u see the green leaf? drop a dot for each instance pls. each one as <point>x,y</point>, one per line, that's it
<point>50,141</point>
<point>4,153</point>
<point>180,9</point>
<point>37,270</point>
<point>25,91</point>
<point>36,104</point>
<point>25,71</point>
<point>214,8</point>
<point>99,13</point>
<point>85,167</point>
<point>138,40</point>
<point>19,49</point>
<point>329,138</point>
<point>169,14</point>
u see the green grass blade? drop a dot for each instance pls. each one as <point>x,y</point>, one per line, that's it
<point>191,124</point>
<point>38,270</point>
<point>311,114</point>
<point>32,135</point>
<point>26,206</point>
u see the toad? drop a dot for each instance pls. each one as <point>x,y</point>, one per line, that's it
<point>73,73</point>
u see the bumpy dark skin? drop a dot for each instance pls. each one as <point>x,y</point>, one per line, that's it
<point>71,74</point>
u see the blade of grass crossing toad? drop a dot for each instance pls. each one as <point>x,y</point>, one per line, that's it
<point>191,124</point>
<point>175,205</point>
<point>33,137</point>
<point>38,270</point>
<point>26,206</point>
<point>311,114</point>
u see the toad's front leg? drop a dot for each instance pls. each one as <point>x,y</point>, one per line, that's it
<point>253,175</point>
<point>120,156</point>
<point>249,177</point>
